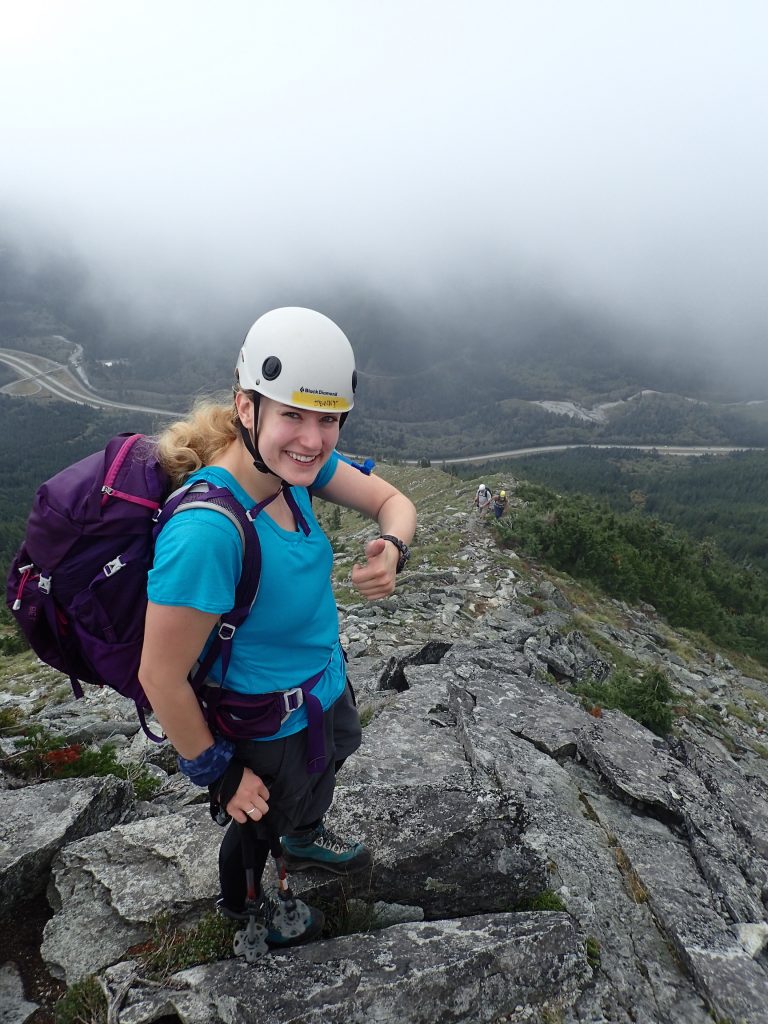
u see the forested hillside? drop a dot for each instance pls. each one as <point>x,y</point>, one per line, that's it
<point>722,499</point>
<point>654,419</point>
<point>639,558</point>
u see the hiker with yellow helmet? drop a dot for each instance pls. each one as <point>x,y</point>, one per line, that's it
<point>499,504</point>
<point>274,448</point>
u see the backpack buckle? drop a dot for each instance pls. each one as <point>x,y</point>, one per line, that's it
<point>44,584</point>
<point>114,566</point>
<point>226,631</point>
<point>292,699</point>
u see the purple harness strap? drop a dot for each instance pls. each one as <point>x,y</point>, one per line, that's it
<point>246,716</point>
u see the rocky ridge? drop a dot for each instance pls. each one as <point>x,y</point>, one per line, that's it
<point>534,860</point>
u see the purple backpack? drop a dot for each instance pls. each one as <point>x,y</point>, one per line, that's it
<point>78,584</point>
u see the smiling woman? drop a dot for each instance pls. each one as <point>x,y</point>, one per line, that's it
<point>279,718</point>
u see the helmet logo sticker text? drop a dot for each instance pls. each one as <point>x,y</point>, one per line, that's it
<point>311,399</point>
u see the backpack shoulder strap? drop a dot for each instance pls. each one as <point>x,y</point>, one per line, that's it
<point>221,499</point>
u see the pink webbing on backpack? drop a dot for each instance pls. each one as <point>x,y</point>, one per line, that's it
<point>108,491</point>
<point>25,574</point>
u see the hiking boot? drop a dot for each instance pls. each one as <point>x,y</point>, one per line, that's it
<point>325,851</point>
<point>286,922</point>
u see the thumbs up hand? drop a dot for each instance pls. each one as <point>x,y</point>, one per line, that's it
<point>376,578</point>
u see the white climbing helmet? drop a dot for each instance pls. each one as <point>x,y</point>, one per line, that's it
<point>301,358</point>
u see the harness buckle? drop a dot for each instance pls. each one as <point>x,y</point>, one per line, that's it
<point>292,699</point>
<point>44,584</point>
<point>114,566</point>
<point>226,631</point>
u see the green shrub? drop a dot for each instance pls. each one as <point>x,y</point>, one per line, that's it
<point>9,720</point>
<point>645,698</point>
<point>82,1003</point>
<point>593,952</point>
<point>546,900</point>
<point>13,643</point>
<point>172,949</point>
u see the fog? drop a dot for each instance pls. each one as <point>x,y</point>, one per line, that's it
<point>201,156</point>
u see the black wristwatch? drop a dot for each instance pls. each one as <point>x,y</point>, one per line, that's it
<point>402,547</point>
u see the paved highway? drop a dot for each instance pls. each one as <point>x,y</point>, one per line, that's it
<point>662,449</point>
<point>61,382</point>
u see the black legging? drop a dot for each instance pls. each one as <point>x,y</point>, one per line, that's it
<point>232,867</point>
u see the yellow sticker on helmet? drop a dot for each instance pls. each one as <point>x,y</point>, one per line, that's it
<point>319,400</point>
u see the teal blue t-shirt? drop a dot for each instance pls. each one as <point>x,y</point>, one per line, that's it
<point>292,631</point>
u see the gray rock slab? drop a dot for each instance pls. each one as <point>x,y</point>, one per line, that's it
<point>638,980</point>
<point>406,744</point>
<point>464,659</point>
<point>733,983</point>
<point>552,721</point>
<point>641,768</point>
<point>743,794</point>
<point>636,764</point>
<point>37,821</point>
<point>466,971</point>
<point>107,888</point>
<point>449,851</point>
<point>14,1007</point>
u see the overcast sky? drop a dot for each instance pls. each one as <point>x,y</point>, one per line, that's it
<point>614,149</point>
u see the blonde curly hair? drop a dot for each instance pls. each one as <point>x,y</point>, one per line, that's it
<point>189,444</point>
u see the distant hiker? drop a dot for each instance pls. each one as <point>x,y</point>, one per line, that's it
<point>275,734</point>
<point>483,498</point>
<point>499,504</point>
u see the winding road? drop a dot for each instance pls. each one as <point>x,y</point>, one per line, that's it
<point>59,381</point>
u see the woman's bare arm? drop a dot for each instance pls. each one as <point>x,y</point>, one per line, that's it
<point>173,639</point>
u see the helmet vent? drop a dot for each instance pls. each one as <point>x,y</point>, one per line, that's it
<point>354,381</point>
<point>271,368</point>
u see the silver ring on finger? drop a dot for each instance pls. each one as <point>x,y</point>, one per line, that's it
<point>251,811</point>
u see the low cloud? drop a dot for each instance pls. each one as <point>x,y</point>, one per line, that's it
<point>202,158</point>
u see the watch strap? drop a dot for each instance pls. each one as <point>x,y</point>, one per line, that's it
<point>402,547</point>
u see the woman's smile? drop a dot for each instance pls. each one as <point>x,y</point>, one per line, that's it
<point>301,458</point>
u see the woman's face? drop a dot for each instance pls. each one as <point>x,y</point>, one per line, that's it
<point>294,443</point>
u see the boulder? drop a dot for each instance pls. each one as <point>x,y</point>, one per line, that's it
<point>463,971</point>
<point>37,821</point>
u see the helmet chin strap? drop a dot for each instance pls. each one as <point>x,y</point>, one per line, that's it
<point>251,440</point>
